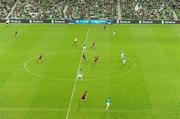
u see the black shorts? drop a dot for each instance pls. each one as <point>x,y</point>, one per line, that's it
<point>83,98</point>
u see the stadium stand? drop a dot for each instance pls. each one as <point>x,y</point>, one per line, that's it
<point>73,9</point>
<point>176,7</point>
<point>150,9</point>
<point>91,9</point>
<point>5,8</point>
<point>39,9</point>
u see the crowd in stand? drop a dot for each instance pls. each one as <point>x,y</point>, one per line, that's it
<point>5,8</point>
<point>61,9</point>
<point>150,9</point>
<point>38,9</point>
<point>92,9</point>
<point>176,7</point>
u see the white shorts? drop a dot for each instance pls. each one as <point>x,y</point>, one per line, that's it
<point>84,49</point>
<point>124,61</point>
<point>79,76</point>
<point>108,104</point>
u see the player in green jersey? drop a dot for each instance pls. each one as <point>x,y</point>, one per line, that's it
<point>114,32</point>
<point>123,57</point>
<point>108,102</point>
<point>84,47</point>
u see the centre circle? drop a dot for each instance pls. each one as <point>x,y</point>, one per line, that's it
<point>61,67</point>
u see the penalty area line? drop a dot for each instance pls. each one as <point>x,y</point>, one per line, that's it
<point>75,82</point>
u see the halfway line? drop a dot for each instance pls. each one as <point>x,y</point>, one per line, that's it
<point>75,82</point>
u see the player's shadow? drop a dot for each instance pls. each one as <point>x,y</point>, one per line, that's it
<point>108,113</point>
<point>127,64</point>
<point>81,105</point>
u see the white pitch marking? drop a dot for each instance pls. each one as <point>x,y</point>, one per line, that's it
<point>39,75</point>
<point>75,82</point>
<point>51,78</point>
<point>115,76</point>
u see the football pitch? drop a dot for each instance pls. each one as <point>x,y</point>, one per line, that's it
<point>146,87</point>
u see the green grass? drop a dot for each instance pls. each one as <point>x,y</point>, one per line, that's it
<point>147,87</point>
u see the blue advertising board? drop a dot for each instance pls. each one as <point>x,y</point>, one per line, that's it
<point>91,21</point>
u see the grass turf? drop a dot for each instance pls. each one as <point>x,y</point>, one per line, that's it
<point>147,87</point>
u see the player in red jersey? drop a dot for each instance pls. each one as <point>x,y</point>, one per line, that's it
<point>84,57</point>
<point>104,27</point>
<point>93,46</point>
<point>96,59</point>
<point>15,34</point>
<point>40,58</point>
<point>84,96</point>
